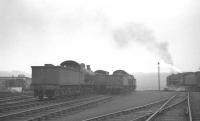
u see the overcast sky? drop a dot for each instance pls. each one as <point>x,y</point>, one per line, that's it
<point>107,34</point>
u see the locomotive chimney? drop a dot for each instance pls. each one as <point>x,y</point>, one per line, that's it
<point>88,67</point>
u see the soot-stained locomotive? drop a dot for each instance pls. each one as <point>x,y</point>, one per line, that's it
<point>190,81</point>
<point>71,78</point>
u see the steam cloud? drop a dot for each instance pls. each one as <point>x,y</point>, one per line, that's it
<point>144,36</point>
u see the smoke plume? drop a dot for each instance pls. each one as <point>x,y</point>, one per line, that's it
<point>144,36</point>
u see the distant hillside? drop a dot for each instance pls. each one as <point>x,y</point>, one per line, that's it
<point>149,81</point>
<point>13,73</point>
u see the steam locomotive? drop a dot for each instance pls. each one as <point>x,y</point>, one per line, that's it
<point>190,81</point>
<point>72,78</point>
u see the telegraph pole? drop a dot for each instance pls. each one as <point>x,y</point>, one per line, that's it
<point>158,76</point>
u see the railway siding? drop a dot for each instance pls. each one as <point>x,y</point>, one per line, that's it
<point>136,110</point>
<point>147,112</point>
<point>174,112</point>
<point>47,108</point>
<point>170,106</point>
<point>70,109</point>
<point>14,98</point>
<point>24,104</point>
<point>65,110</point>
<point>121,102</point>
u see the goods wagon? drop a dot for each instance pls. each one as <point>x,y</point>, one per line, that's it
<point>120,81</point>
<point>66,79</point>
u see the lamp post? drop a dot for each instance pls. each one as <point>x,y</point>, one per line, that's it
<point>158,76</point>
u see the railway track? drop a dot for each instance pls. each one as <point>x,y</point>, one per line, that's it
<point>46,112</point>
<point>142,113</point>
<point>24,104</point>
<point>13,99</point>
<point>194,102</point>
<point>4,95</point>
<point>175,110</point>
<point>14,103</point>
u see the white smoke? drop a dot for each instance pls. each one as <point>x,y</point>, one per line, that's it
<point>144,36</point>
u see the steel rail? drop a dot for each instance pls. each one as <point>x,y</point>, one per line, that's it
<point>23,104</point>
<point>10,97</point>
<point>69,109</point>
<point>15,98</point>
<point>158,110</point>
<point>164,109</point>
<point>9,104</point>
<point>189,107</point>
<point>124,111</point>
<point>36,109</point>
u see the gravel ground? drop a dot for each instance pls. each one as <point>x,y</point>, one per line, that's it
<point>120,102</point>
